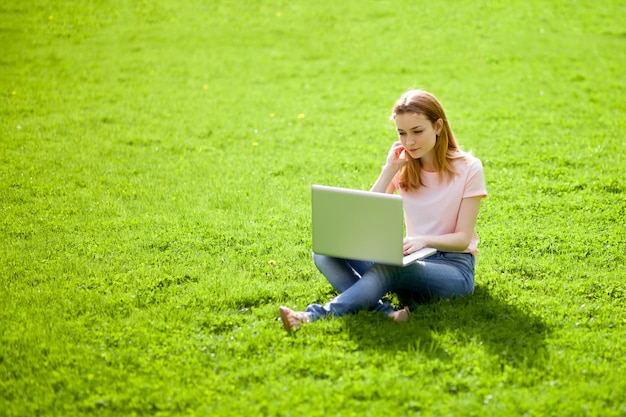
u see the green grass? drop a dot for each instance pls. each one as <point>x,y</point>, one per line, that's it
<point>155,168</point>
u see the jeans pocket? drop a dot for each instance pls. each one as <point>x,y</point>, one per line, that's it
<point>465,261</point>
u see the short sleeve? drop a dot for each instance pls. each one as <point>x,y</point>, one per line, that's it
<point>475,182</point>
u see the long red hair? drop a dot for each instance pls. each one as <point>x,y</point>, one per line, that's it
<point>446,147</point>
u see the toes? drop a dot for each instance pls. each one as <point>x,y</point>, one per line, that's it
<point>401,315</point>
<point>290,321</point>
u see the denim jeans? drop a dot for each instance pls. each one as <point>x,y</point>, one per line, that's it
<point>362,284</point>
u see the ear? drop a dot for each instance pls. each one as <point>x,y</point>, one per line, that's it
<point>438,126</point>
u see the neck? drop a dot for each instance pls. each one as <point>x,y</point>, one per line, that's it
<point>428,163</point>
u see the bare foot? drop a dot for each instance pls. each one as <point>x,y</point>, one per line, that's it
<point>400,315</point>
<point>293,319</point>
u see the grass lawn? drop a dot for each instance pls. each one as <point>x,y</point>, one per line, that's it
<point>156,160</point>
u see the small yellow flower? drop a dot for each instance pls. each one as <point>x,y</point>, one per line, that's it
<point>271,262</point>
<point>50,17</point>
<point>13,93</point>
<point>255,143</point>
<point>301,116</point>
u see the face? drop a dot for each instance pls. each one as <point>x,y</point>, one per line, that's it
<point>417,134</point>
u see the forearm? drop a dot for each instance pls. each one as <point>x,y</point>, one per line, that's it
<point>451,242</point>
<point>384,179</point>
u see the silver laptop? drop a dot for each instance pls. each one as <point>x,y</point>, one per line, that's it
<point>360,225</point>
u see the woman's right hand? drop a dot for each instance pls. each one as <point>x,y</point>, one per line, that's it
<point>395,161</point>
<point>396,157</point>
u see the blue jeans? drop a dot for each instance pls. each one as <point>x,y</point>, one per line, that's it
<point>362,284</point>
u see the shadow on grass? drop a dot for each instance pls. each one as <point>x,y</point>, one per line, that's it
<point>437,328</point>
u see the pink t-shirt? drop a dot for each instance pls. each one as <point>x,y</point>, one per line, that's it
<point>433,209</point>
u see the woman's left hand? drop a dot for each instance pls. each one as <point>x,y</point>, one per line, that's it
<point>413,244</point>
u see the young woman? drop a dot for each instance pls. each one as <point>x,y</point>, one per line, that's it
<point>441,187</point>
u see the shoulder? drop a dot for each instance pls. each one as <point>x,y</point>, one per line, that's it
<point>465,161</point>
<point>470,170</point>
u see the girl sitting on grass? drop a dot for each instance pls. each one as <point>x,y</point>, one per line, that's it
<point>441,187</point>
